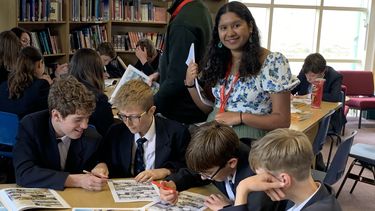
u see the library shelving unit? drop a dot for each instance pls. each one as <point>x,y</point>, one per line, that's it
<point>60,27</point>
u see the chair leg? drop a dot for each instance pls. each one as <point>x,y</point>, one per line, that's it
<point>360,119</point>
<point>330,151</point>
<point>359,177</point>
<point>346,177</point>
<point>343,130</point>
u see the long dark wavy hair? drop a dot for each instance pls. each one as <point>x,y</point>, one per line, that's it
<point>24,74</point>
<point>88,68</point>
<point>214,64</point>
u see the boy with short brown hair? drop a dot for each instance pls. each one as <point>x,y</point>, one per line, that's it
<point>41,157</point>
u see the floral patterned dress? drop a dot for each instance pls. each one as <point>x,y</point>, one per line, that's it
<point>252,94</point>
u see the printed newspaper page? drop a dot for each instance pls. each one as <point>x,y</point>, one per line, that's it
<point>129,190</point>
<point>186,201</point>
<point>31,198</point>
<point>132,73</point>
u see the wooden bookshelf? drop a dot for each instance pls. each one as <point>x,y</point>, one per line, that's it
<point>68,20</point>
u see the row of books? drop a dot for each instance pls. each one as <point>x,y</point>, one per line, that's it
<point>40,10</point>
<point>128,41</point>
<point>88,37</point>
<point>134,10</point>
<point>90,10</point>
<point>45,41</point>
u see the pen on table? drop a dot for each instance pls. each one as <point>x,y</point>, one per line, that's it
<point>89,172</point>
<point>161,185</point>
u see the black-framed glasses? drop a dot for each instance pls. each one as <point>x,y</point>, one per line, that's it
<point>131,118</point>
<point>213,175</point>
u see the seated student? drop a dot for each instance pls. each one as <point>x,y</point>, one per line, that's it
<point>87,67</point>
<point>148,56</point>
<point>9,48</point>
<point>54,147</point>
<point>26,90</point>
<point>23,35</point>
<point>218,155</point>
<point>315,67</point>
<point>282,161</point>
<point>143,145</point>
<point>114,65</point>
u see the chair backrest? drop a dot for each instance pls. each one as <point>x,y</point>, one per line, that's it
<point>358,82</point>
<point>338,164</point>
<point>321,136</point>
<point>8,130</point>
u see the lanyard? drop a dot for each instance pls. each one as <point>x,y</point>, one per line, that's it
<point>224,97</point>
<point>178,9</point>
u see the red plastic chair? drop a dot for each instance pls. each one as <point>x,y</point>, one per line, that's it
<point>360,88</point>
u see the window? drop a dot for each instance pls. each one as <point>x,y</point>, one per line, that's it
<point>335,28</point>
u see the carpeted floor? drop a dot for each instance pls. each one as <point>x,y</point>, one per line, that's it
<point>363,197</point>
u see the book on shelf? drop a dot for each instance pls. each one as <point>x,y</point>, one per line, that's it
<point>89,10</point>
<point>129,40</point>
<point>31,198</point>
<point>40,10</point>
<point>132,73</point>
<point>136,10</point>
<point>88,37</point>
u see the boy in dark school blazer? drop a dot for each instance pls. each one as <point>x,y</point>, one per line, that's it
<point>143,145</point>
<point>282,161</point>
<point>216,154</point>
<point>54,147</point>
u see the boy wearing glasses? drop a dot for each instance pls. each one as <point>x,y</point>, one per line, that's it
<point>282,161</point>
<point>143,145</point>
<point>216,154</point>
<point>54,147</point>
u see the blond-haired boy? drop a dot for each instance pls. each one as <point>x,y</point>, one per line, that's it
<point>283,158</point>
<point>143,145</point>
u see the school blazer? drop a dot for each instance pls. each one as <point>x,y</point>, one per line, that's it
<point>172,139</point>
<point>185,179</point>
<point>323,200</point>
<point>36,155</point>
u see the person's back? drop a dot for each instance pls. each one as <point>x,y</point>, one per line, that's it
<point>192,24</point>
<point>87,67</point>
<point>26,91</point>
<point>9,48</point>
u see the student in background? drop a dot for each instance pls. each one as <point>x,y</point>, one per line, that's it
<point>282,160</point>
<point>54,146</point>
<point>216,154</point>
<point>148,56</point>
<point>250,84</point>
<point>190,22</point>
<point>114,65</point>
<point>26,90</point>
<point>9,48</point>
<point>87,67</point>
<point>23,35</point>
<point>315,66</point>
<point>143,145</point>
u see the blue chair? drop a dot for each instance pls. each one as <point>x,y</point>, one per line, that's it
<point>364,156</point>
<point>8,132</point>
<point>321,135</point>
<point>337,168</point>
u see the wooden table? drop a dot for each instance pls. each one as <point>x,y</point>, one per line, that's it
<point>310,126</point>
<point>78,197</point>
